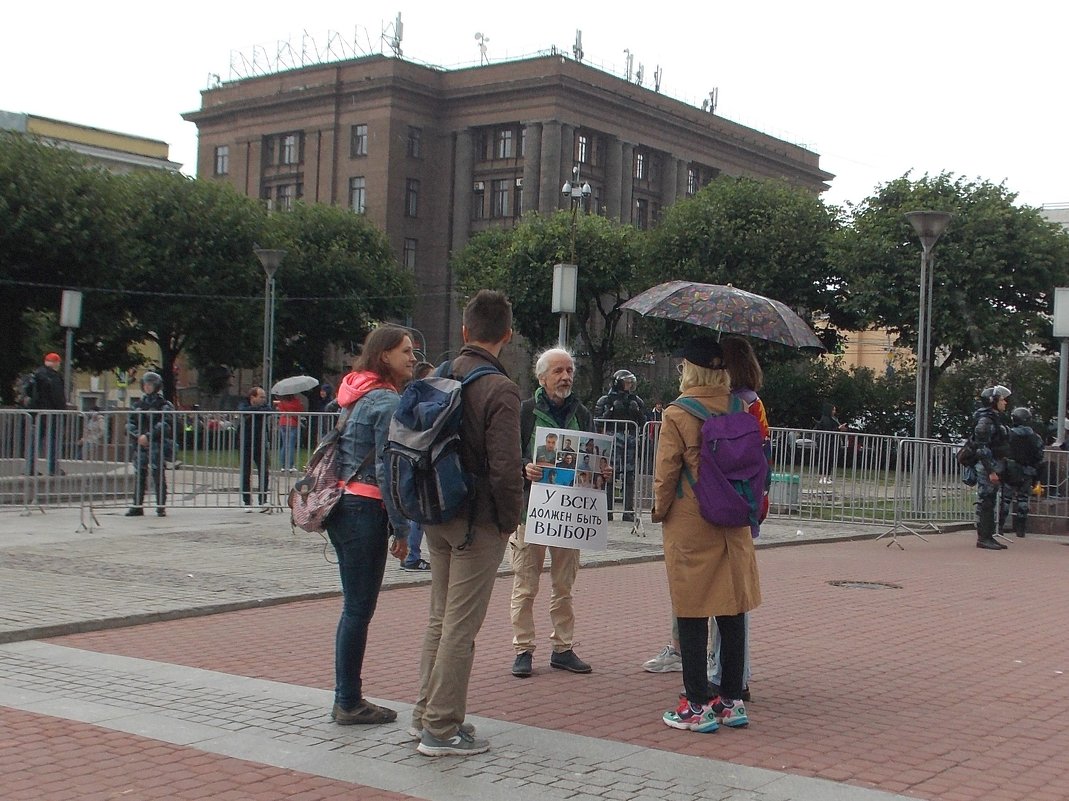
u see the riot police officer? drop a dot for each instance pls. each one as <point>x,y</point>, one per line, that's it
<point>150,425</point>
<point>1022,467</point>
<point>992,442</point>
<point>622,404</point>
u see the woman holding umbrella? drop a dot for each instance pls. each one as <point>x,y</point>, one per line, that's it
<point>712,570</point>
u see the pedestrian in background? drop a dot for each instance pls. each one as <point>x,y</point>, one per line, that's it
<point>289,429</point>
<point>415,560</point>
<point>254,413</point>
<point>46,393</point>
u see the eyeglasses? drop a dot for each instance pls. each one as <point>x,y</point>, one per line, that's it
<point>679,368</point>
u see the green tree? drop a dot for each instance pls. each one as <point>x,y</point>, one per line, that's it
<point>520,263</point>
<point>60,227</point>
<point>188,272</point>
<point>337,280</point>
<point>995,268</point>
<point>762,236</point>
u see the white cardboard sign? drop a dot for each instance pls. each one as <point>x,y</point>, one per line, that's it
<point>568,505</point>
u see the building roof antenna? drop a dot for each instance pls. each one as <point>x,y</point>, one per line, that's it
<point>577,48</point>
<point>482,40</point>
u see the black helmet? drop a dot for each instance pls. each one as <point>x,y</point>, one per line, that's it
<point>620,376</point>
<point>152,378</point>
<point>1021,416</point>
<point>991,395</point>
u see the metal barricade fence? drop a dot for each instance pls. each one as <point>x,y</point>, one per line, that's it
<point>88,459</point>
<point>628,467</point>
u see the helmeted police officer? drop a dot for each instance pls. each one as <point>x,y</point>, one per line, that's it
<point>992,443</point>
<point>150,426</point>
<point>621,403</point>
<point>1022,467</point>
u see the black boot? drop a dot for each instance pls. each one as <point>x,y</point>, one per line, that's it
<point>985,534</point>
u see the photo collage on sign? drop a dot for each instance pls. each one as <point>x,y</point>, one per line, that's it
<point>572,458</point>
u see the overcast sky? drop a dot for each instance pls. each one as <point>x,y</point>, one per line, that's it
<point>876,89</point>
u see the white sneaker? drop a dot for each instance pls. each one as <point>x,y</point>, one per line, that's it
<point>460,744</point>
<point>667,661</point>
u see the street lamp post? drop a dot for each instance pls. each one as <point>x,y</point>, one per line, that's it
<point>270,259</point>
<point>566,276</point>
<point>70,317</point>
<point>929,226</point>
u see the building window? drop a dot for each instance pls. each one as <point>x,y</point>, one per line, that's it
<point>480,143</point>
<point>503,144</point>
<point>357,194</point>
<point>289,151</point>
<point>582,149</point>
<point>642,214</point>
<point>692,181</point>
<point>408,254</point>
<point>499,199</point>
<point>523,141</point>
<point>411,197</point>
<point>357,141</point>
<point>599,151</point>
<point>222,160</point>
<point>598,202</point>
<point>517,198</point>
<point>285,196</point>
<point>415,142</point>
<point>478,201</point>
<point>640,166</point>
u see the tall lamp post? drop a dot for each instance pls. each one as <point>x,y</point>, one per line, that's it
<point>566,276</point>
<point>70,317</point>
<point>929,226</point>
<point>270,259</point>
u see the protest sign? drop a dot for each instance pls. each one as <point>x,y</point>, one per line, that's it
<point>568,503</point>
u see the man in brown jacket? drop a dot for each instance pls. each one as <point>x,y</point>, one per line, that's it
<point>464,568</point>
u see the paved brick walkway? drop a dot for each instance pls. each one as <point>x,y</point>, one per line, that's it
<point>949,684</point>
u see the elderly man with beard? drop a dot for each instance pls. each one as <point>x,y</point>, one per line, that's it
<point>551,407</point>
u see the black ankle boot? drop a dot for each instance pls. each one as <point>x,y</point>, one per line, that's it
<point>989,544</point>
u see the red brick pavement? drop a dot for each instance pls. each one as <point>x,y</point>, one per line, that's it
<point>44,758</point>
<point>950,687</point>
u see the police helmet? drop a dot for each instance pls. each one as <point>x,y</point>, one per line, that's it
<point>153,380</point>
<point>991,395</point>
<point>1021,416</point>
<point>620,376</point>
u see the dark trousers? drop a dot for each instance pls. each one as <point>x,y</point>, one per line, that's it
<point>694,648</point>
<point>249,456</point>
<point>145,461</point>
<point>359,533</point>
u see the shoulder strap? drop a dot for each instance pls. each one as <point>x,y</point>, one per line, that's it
<point>692,405</point>
<point>478,373</point>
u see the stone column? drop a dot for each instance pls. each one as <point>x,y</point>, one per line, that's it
<point>627,182</point>
<point>549,168</point>
<point>531,158</point>
<point>463,160</point>
<point>681,178</point>
<point>669,180</point>
<point>612,177</point>
<point>567,160</point>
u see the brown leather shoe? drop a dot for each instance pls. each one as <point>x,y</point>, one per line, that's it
<point>363,713</point>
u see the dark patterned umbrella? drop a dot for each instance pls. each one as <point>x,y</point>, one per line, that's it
<point>727,310</point>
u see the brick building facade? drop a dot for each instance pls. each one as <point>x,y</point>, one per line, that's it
<point>432,156</point>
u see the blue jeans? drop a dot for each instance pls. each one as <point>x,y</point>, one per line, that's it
<point>415,539</point>
<point>358,531</point>
<point>287,446</point>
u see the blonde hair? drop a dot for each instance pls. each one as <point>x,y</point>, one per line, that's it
<point>695,376</point>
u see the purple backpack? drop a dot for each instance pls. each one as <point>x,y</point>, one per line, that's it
<point>732,467</point>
